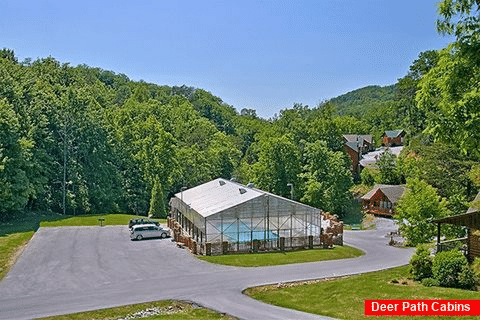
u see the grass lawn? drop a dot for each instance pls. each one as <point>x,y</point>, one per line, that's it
<point>343,298</point>
<point>14,235</point>
<point>169,309</point>
<point>10,247</point>
<point>92,220</point>
<point>277,258</point>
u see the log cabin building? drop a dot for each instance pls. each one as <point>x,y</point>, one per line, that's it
<point>381,200</point>
<point>393,138</point>
<point>356,146</point>
<point>470,245</point>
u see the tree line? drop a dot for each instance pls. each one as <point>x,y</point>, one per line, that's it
<point>79,139</point>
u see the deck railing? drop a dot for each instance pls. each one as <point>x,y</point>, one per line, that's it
<point>379,210</point>
<point>460,243</point>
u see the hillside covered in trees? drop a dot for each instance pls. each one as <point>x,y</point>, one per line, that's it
<point>360,101</point>
<point>79,139</point>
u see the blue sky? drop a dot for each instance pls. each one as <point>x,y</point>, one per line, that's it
<point>264,55</point>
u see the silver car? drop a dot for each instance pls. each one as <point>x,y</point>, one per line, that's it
<point>143,231</point>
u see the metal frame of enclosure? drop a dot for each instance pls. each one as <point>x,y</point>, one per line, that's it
<point>222,216</point>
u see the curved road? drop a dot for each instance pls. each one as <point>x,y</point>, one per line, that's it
<point>73,269</point>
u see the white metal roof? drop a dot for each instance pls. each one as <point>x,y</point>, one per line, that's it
<point>217,195</point>
<point>372,157</point>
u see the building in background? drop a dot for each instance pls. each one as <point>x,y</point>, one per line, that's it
<point>223,216</point>
<point>393,138</point>
<point>381,200</point>
<point>470,245</point>
<point>356,146</point>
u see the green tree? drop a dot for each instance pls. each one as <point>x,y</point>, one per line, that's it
<point>327,178</point>
<point>223,156</point>
<point>213,108</point>
<point>449,96</point>
<point>194,167</point>
<point>157,200</point>
<point>449,92</point>
<point>155,151</point>
<point>294,121</point>
<point>459,18</point>
<point>16,189</point>
<point>474,174</point>
<point>368,176</point>
<point>324,127</point>
<point>246,127</point>
<point>442,166</point>
<point>387,168</point>
<point>278,165</point>
<point>408,86</point>
<point>8,54</point>
<point>146,150</point>
<point>418,204</point>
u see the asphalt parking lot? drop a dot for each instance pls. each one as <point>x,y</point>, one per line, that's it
<point>73,258</point>
<point>72,269</point>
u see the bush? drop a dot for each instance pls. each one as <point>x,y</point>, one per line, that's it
<point>367,176</point>
<point>430,282</point>
<point>421,263</point>
<point>466,278</point>
<point>447,267</point>
<point>476,269</point>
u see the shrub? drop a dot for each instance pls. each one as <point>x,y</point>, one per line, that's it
<point>421,263</point>
<point>447,267</point>
<point>429,282</point>
<point>368,176</point>
<point>476,269</point>
<point>466,278</point>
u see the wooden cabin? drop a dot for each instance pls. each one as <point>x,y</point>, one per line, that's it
<point>355,146</point>
<point>393,138</point>
<point>363,141</point>
<point>381,200</point>
<point>470,245</point>
<point>351,148</point>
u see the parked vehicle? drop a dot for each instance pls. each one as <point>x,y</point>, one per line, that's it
<point>144,231</point>
<point>136,221</point>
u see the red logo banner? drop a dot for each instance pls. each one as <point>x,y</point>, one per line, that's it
<point>422,307</point>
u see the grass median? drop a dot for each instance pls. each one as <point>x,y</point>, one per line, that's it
<point>279,258</point>
<point>158,310</point>
<point>92,220</point>
<point>10,247</point>
<point>343,298</point>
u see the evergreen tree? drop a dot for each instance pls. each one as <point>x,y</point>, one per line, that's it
<point>157,200</point>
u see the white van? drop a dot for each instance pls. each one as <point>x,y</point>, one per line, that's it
<point>143,231</point>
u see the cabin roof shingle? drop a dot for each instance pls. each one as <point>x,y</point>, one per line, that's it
<point>358,138</point>
<point>393,133</point>
<point>392,192</point>
<point>352,145</point>
<point>477,201</point>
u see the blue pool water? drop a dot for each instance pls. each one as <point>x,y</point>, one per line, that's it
<point>241,233</point>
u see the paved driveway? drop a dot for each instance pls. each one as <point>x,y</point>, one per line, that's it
<point>72,269</point>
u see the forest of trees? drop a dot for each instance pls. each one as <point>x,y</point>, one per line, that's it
<point>79,139</point>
